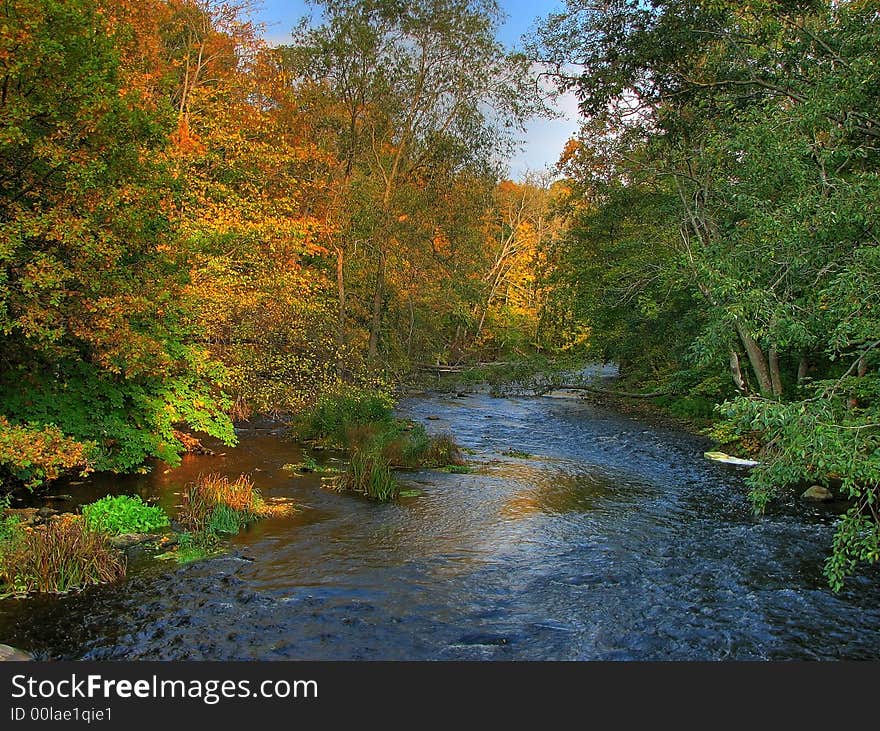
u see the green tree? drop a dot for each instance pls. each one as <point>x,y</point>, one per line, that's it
<point>756,124</point>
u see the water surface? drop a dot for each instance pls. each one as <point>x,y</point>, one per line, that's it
<point>614,540</point>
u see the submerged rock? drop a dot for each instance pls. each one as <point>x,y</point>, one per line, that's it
<point>818,493</point>
<point>127,540</point>
<point>8,653</point>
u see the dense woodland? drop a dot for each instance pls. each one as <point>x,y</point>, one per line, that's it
<point>196,227</point>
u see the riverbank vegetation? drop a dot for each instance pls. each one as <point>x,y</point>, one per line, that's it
<point>722,197</point>
<point>57,557</point>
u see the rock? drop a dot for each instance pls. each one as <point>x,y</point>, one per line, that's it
<point>127,540</point>
<point>8,653</point>
<point>433,418</point>
<point>818,493</point>
<point>27,516</point>
<point>46,512</point>
<point>60,498</point>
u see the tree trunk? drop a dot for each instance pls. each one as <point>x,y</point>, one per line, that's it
<point>803,370</point>
<point>376,320</point>
<point>736,372</point>
<point>340,313</point>
<point>757,361</point>
<point>775,376</point>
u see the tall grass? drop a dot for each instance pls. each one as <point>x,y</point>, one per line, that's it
<point>370,475</point>
<point>209,494</point>
<point>58,557</point>
<point>377,450</point>
<point>365,424</point>
<point>334,415</point>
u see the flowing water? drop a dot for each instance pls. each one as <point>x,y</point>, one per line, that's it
<point>615,539</point>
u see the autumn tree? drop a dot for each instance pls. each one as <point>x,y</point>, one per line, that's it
<point>94,340</point>
<point>413,82</point>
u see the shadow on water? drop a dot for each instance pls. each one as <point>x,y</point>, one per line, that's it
<point>614,540</point>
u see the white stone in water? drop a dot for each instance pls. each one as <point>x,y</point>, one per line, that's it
<point>727,459</point>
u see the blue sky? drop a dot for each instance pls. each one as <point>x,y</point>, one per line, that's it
<point>544,138</point>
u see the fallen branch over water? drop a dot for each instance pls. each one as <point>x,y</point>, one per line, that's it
<point>602,391</point>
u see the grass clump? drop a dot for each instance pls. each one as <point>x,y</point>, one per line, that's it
<point>215,505</point>
<point>329,421</point>
<point>377,449</point>
<point>59,557</point>
<point>309,464</point>
<point>369,474</point>
<point>226,520</point>
<point>379,443</point>
<point>518,453</point>
<point>194,547</point>
<point>124,514</point>
<point>457,469</point>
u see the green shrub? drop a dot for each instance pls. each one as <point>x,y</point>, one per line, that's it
<point>334,415</point>
<point>9,524</point>
<point>124,514</point>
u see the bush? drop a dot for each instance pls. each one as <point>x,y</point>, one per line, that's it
<point>333,417</point>
<point>9,524</point>
<point>33,454</point>
<point>58,557</point>
<point>124,514</point>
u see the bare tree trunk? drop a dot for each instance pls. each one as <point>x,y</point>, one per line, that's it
<point>736,372</point>
<point>340,313</point>
<point>376,320</point>
<point>412,325</point>
<point>803,370</point>
<point>775,376</point>
<point>757,361</point>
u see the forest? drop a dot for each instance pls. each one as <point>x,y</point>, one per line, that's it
<point>197,227</point>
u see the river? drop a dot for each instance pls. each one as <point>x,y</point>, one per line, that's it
<point>614,540</point>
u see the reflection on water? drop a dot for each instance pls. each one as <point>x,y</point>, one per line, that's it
<point>615,541</point>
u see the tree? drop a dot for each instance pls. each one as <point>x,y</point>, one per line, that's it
<point>413,81</point>
<point>94,339</point>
